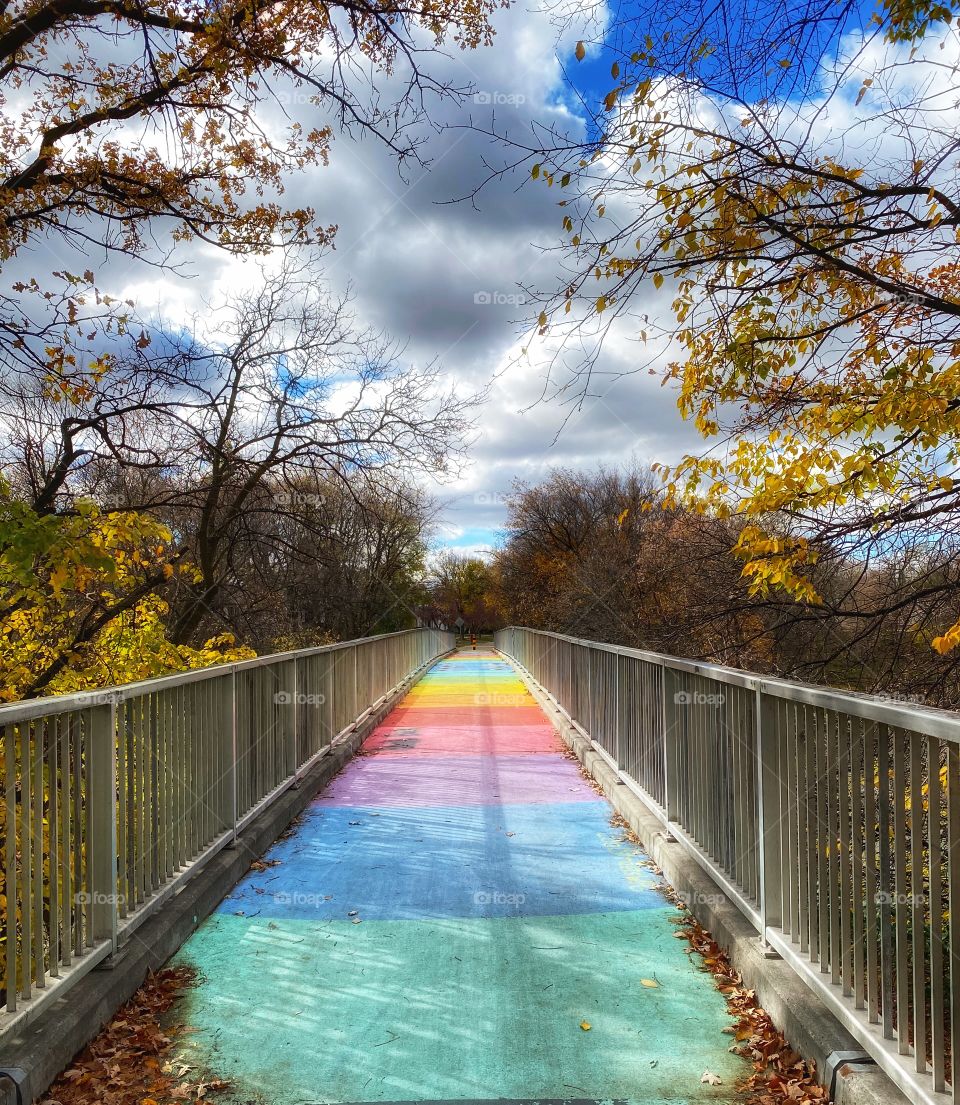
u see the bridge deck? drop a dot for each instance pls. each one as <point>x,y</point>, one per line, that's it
<point>454,905</point>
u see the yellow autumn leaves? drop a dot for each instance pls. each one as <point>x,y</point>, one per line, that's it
<point>81,601</point>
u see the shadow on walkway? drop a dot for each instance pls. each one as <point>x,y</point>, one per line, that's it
<point>453,909</point>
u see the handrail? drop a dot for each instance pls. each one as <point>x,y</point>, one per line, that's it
<point>893,709</point>
<point>830,819</point>
<point>114,797</point>
<point>78,700</point>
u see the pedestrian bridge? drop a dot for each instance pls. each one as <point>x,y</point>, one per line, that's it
<point>455,918</point>
<point>457,914</point>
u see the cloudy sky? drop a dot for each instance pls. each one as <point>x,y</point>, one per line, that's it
<point>445,277</point>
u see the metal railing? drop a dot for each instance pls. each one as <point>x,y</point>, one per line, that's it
<point>113,798</point>
<point>831,819</point>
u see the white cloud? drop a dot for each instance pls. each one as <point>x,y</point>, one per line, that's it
<point>443,277</point>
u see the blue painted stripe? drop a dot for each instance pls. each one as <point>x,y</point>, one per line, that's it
<point>417,863</point>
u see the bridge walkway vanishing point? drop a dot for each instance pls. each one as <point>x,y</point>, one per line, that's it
<point>451,912</point>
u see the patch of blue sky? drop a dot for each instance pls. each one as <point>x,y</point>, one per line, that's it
<point>470,538</point>
<point>735,33</point>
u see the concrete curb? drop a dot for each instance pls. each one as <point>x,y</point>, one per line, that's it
<point>808,1025</point>
<point>46,1046</point>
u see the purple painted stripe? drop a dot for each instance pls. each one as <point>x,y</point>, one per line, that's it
<point>457,781</point>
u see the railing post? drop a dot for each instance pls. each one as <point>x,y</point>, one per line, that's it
<point>768,817</point>
<point>616,707</point>
<point>586,717</point>
<point>232,796</point>
<point>291,716</point>
<point>357,711</point>
<point>102,796</point>
<point>671,742</point>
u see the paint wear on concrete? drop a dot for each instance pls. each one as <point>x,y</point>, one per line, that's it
<point>453,906</point>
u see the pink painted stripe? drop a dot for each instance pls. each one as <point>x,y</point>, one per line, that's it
<point>466,715</point>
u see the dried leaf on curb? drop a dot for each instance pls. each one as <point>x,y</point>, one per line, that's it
<point>263,864</point>
<point>780,1075</point>
<point>130,1062</point>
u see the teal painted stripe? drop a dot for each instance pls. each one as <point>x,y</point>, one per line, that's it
<point>453,1009</point>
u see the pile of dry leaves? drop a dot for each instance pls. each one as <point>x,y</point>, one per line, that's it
<point>131,1062</point>
<point>780,1075</point>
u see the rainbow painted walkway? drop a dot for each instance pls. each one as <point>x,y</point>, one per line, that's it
<point>454,906</point>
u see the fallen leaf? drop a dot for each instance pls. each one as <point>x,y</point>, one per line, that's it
<point>711,1079</point>
<point>263,864</point>
<point>651,983</point>
<point>585,1025</point>
<point>129,1062</point>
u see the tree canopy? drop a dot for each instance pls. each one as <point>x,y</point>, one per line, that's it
<point>152,473</point>
<point>781,179</point>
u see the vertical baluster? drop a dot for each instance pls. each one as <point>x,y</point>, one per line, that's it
<point>153,794</point>
<point>26,863</point>
<point>886,892</point>
<point>38,752</point>
<point>823,840</point>
<point>872,887</point>
<point>833,842</point>
<point>953,877</point>
<point>102,838</point>
<point>845,856</point>
<point>671,744</point>
<point>860,892</point>
<point>918,925</point>
<point>53,832</point>
<point>786,829</point>
<point>78,736</point>
<point>67,815</point>
<point>804,829</point>
<point>934,839</point>
<point>768,812</point>
<point>901,894</point>
<point>14,819</point>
